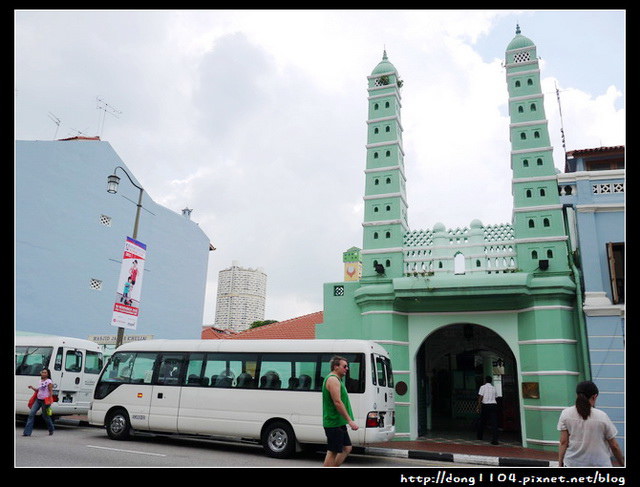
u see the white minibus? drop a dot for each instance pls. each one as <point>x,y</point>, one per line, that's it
<point>264,391</point>
<point>75,366</point>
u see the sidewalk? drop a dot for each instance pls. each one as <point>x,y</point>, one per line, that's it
<point>465,452</point>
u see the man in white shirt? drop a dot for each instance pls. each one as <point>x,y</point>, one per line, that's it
<point>488,409</point>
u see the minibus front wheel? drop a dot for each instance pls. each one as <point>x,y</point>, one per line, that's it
<point>118,425</point>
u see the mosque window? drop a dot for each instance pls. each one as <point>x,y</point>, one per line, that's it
<point>386,105</point>
<point>376,181</point>
<point>388,153</point>
<point>375,155</point>
<point>539,161</point>
<point>387,129</point>
<point>533,107</point>
<point>376,130</point>
<point>387,235</point>
<point>532,224</point>
<point>523,136</point>
<point>530,82</point>
<point>517,83</point>
<point>525,163</point>
<point>520,109</point>
<point>543,192</point>
<point>545,222</point>
<point>549,254</point>
<point>375,106</point>
<point>388,208</point>
<point>375,235</point>
<point>375,209</point>
<point>387,263</point>
<point>534,254</point>
<point>388,181</point>
<point>528,193</point>
<point>521,57</point>
<point>536,134</point>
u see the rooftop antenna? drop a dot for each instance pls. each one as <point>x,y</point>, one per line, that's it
<point>106,108</point>
<point>564,147</point>
<point>55,120</point>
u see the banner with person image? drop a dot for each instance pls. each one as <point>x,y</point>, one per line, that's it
<point>127,305</point>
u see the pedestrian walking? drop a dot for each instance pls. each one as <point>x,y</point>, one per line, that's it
<point>488,409</point>
<point>337,414</point>
<point>587,435</point>
<point>43,399</point>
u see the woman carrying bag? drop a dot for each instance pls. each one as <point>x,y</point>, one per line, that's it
<point>43,398</point>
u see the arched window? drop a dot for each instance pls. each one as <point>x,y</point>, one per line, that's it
<point>388,180</point>
<point>534,254</point>
<point>520,109</point>
<point>531,223</point>
<point>533,107</point>
<point>545,222</point>
<point>523,136</point>
<point>536,135</point>
<point>387,129</point>
<point>387,235</point>
<point>376,181</point>
<point>388,208</point>
<point>525,163</point>
<point>376,130</point>
<point>375,209</point>
<point>375,106</point>
<point>458,263</point>
<point>517,84</point>
<point>375,235</point>
<point>388,153</point>
<point>387,263</point>
<point>528,193</point>
<point>542,192</point>
<point>386,104</point>
<point>530,82</point>
<point>550,254</point>
<point>539,161</point>
<point>375,155</point>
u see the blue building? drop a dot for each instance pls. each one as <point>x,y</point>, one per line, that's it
<point>592,189</point>
<point>69,241</point>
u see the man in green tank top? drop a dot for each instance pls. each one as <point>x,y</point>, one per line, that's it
<point>336,414</point>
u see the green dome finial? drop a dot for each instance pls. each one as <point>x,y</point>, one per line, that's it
<point>517,29</point>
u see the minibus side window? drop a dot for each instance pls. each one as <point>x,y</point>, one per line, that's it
<point>381,372</point>
<point>93,363</point>
<point>31,360</point>
<point>142,369</point>
<point>170,369</point>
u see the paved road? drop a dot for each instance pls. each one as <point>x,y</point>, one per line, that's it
<point>87,446</point>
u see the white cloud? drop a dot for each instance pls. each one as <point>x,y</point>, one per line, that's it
<point>256,119</point>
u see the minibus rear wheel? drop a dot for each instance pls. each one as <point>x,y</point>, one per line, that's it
<point>278,439</point>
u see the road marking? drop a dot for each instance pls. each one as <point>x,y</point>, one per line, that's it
<point>127,451</point>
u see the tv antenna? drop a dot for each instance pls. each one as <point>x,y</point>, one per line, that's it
<point>106,108</point>
<point>564,146</point>
<point>55,120</point>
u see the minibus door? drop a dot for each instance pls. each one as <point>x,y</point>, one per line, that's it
<point>384,391</point>
<point>68,387</point>
<point>165,398</point>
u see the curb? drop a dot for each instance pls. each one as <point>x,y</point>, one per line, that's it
<point>460,458</point>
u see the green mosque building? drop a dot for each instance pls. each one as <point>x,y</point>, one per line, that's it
<point>455,305</point>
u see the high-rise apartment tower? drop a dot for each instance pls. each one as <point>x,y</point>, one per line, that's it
<point>241,297</point>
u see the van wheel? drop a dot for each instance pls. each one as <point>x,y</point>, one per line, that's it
<point>278,440</point>
<point>118,425</point>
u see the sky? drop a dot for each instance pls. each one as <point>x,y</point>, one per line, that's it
<point>256,119</point>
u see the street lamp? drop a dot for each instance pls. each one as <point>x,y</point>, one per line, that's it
<point>112,187</point>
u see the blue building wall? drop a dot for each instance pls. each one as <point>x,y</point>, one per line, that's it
<point>593,187</point>
<point>62,243</point>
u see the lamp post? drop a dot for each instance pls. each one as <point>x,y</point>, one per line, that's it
<point>112,187</point>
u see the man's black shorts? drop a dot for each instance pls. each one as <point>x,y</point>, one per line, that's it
<point>337,438</point>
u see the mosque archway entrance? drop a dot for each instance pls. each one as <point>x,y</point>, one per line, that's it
<point>451,365</point>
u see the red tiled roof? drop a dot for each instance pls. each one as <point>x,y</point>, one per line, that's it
<point>302,327</point>
<point>614,148</point>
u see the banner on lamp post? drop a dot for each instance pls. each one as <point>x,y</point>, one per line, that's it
<point>127,304</point>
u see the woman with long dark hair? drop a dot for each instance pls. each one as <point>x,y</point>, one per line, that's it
<point>44,391</point>
<point>587,435</point>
